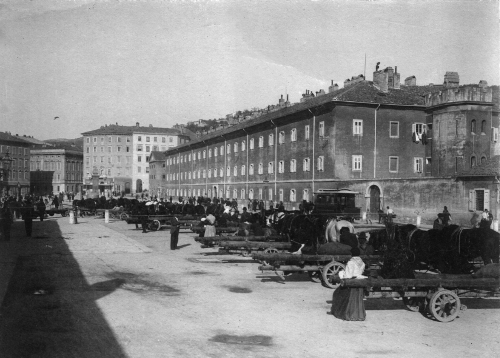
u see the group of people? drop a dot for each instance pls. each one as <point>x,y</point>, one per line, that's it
<point>27,207</point>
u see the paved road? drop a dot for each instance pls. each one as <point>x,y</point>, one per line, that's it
<point>107,290</point>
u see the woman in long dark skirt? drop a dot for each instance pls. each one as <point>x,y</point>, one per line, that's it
<point>347,303</point>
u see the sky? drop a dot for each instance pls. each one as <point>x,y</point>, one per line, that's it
<point>157,62</point>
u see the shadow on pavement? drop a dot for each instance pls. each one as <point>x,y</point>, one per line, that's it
<point>50,310</point>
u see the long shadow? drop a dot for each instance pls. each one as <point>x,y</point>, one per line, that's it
<point>50,310</point>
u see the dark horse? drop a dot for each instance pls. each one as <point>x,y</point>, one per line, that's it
<point>451,249</point>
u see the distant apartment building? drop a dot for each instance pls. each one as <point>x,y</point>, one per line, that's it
<point>116,157</point>
<point>14,165</point>
<point>55,169</point>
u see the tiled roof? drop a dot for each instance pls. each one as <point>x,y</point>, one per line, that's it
<point>366,92</point>
<point>157,155</point>
<point>8,137</point>
<point>359,92</point>
<point>491,167</point>
<point>129,130</point>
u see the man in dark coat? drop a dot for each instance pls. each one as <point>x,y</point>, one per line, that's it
<point>40,206</point>
<point>55,201</point>
<point>174,233</point>
<point>144,218</point>
<point>245,216</point>
<point>28,212</point>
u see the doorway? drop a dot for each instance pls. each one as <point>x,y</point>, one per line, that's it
<point>374,199</point>
<point>138,186</point>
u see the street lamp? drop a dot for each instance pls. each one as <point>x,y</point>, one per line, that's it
<point>4,170</point>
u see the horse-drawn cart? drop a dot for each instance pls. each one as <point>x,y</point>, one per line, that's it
<point>321,268</point>
<point>439,294</point>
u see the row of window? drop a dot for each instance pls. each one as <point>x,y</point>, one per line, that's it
<point>291,195</point>
<point>306,166</point>
<point>117,159</point>
<point>14,150</point>
<point>129,139</point>
<point>417,128</point>
<point>118,149</point>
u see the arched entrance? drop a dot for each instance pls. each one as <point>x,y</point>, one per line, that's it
<point>374,199</point>
<point>138,186</point>
<point>127,187</point>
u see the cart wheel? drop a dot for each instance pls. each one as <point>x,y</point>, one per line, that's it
<point>315,276</point>
<point>414,304</point>
<point>444,305</point>
<point>330,270</point>
<point>271,250</point>
<point>123,216</point>
<point>154,225</point>
<point>51,214</point>
<point>63,213</point>
<point>245,252</point>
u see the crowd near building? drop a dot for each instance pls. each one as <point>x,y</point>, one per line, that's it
<point>415,148</point>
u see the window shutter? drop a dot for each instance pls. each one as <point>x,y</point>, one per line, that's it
<point>413,128</point>
<point>487,199</point>
<point>495,134</point>
<point>472,200</point>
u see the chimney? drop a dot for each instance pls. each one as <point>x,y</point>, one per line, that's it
<point>137,124</point>
<point>380,81</point>
<point>451,79</point>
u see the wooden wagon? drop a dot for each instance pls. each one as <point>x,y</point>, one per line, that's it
<point>438,294</point>
<point>320,268</point>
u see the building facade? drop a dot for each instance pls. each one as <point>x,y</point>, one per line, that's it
<point>14,165</point>
<point>55,169</point>
<point>157,174</point>
<point>384,140</point>
<point>116,158</point>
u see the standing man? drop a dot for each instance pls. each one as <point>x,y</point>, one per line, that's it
<point>41,208</point>
<point>389,213</point>
<point>55,201</point>
<point>174,233</point>
<point>28,216</point>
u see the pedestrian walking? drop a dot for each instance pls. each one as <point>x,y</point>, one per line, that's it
<point>5,221</point>
<point>368,216</point>
<point>174,233</point>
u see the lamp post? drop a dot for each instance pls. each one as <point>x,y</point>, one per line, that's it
<point>4,172</point>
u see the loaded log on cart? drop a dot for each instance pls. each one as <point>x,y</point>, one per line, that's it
<point>438,295</point>
<point>212,241</point>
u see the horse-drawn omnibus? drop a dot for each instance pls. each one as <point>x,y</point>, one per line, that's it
<point>340,203</point>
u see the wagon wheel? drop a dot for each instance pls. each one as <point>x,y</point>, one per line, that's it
<point>271,250</point>
<point>315,276</point>
<point>414,304</point>
<point>123,216</point>
<point>444,305</point>
<point>330,270</point>
<point>63,213</point>
<point>245,252</point>
<point>154,225</point>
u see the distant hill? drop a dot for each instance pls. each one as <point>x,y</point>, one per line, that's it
<point>75,144</point>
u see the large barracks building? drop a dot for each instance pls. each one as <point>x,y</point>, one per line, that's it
<point>414,148</point>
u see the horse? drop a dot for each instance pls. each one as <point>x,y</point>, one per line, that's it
<point>332,230</point>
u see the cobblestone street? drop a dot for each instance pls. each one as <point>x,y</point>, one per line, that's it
<point>107,290</point>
